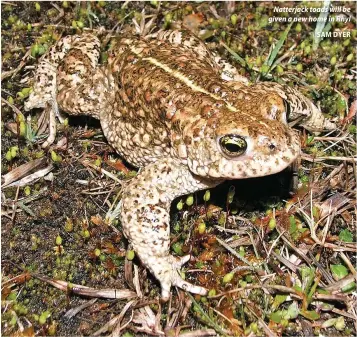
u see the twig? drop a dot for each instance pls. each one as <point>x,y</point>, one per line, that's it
<point>87,291</point>
<point>21,171</point>
<point>262,323</point>
<point>15,205</point>
<point>101,170</point>
<point>74,311</point>
<point>198,333</point>
<point>208,318</point>
<point>52,125</point>
<point>13,72</point>
<point>112,322</point>
<point>13,107</point>
<point>232,251</point>
<point>32,177</point>
<point>349,264</point>
<point>316,159</point>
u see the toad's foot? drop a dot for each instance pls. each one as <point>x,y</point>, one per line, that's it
<point>166,270</point>
<point>145,218</point>
<point>299,109</point>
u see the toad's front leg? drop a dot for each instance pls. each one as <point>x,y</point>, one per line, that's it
<point>145,218</point>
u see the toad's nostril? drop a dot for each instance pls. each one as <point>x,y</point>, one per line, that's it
<point>272,147</point>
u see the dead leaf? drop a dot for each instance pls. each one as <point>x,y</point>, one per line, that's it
<point>192,21</point>
<point>118,165</point>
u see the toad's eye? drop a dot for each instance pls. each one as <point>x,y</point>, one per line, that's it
<point>233,145</point>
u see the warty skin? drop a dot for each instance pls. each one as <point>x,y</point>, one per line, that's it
<point>182,115</point>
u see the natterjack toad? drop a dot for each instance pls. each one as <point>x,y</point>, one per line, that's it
<point>180,114</point>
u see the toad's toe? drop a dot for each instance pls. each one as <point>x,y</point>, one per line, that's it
<point>166,271</point>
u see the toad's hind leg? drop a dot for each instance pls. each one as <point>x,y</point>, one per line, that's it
<point>299,109</point>
<point>84,88</point>
<point>63,77</point>
<point>146,222</point>
<point>302,111</point>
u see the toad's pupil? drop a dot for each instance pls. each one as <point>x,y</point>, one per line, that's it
<point>233,147</point>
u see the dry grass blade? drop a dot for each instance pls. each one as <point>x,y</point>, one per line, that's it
<point>42,122</point>
<point>12,106</point>
<point>147,322</point>
<point>333,204</point>
<point>269,288</point>
<point>21,171</point>
<point>338,285</point>
<point>136,281</point>
<point>178,313</point>
<point>32,177</point>
<point>351,113</point>
<point>74,311</point>
<point>119,327</point>
<point>306,328</point>
<point>118,294</point>
<point>323,158</point>
<point>14,206</point>
<point>50,111</point>
<point>244,241</point>
<point>144,28</point>
<point>266,328</point>
<point>232,251</point>
<point>199,333</point>
<point>333,297</point>
<point>115,320</point>
<point>343,313</point>
<point>349,264</point>
<point>60,12</point>
<point>209,320</point>
<point>286,262</point>
<point>13,72</point>
<point>86,163</point>
<point>128,273</point>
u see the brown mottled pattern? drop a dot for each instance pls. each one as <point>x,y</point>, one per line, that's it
<point>165,104</point>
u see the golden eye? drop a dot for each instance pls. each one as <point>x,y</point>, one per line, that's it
<point>233,145</point>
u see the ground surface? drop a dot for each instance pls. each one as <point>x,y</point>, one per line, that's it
<point>304,249</point>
